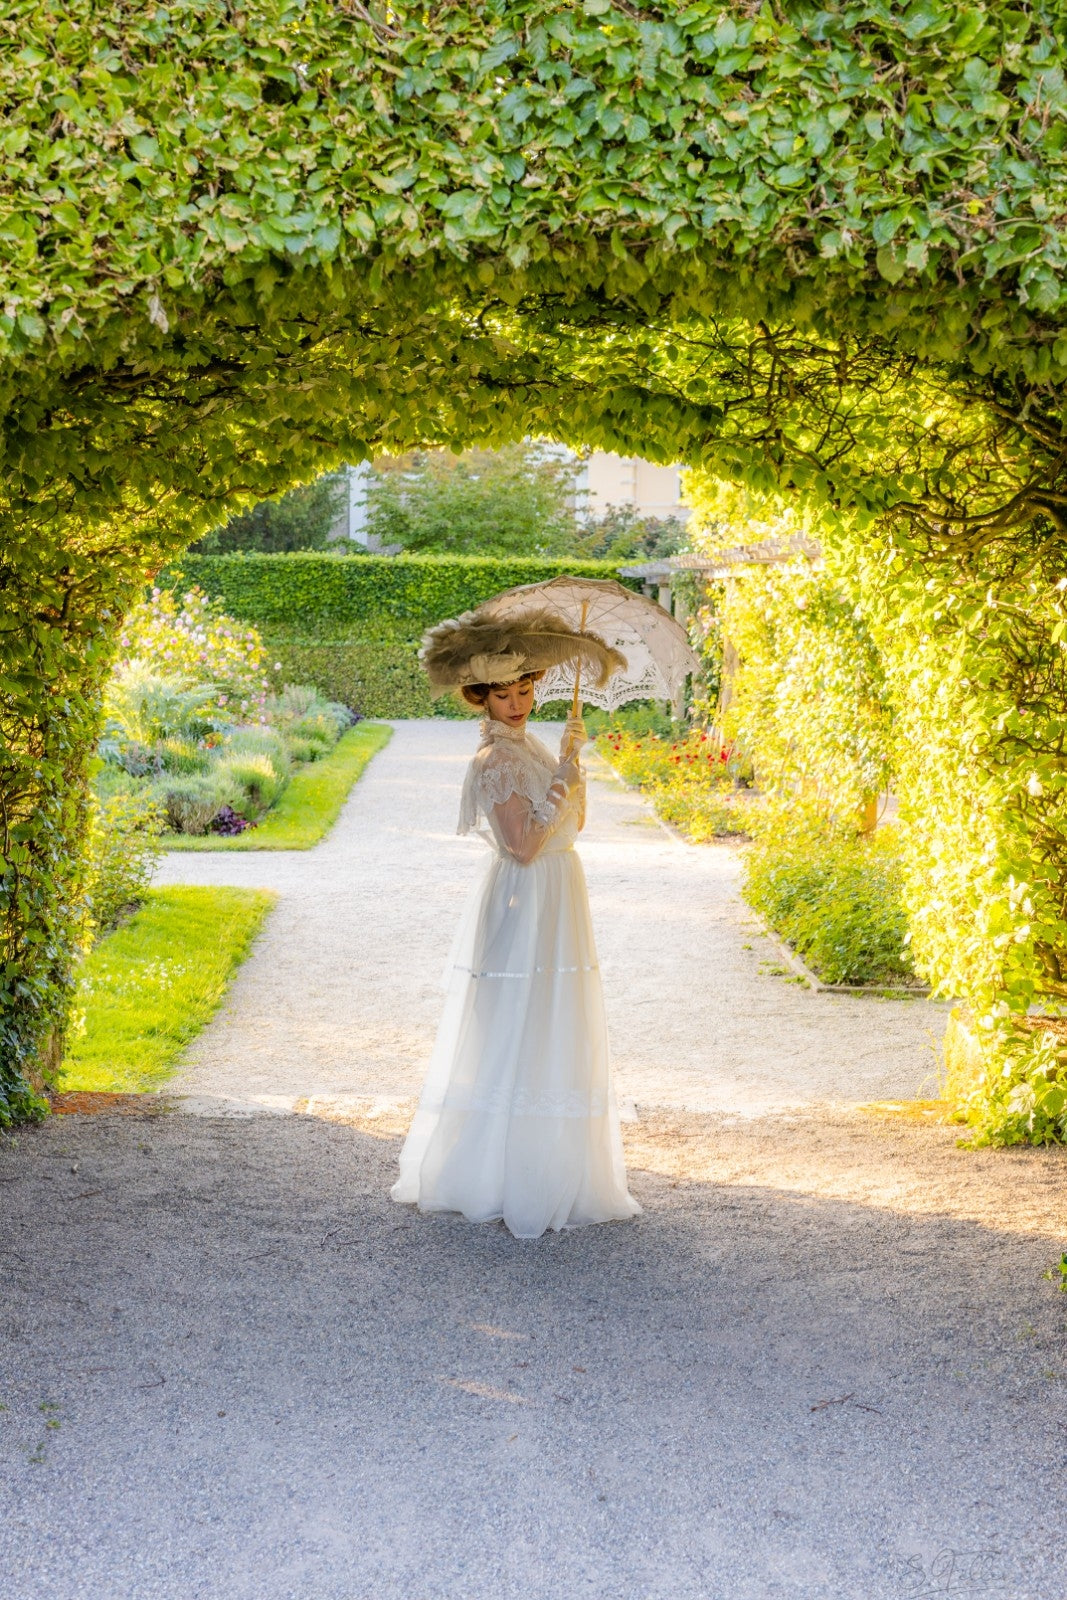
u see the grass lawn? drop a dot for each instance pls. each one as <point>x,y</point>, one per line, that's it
<point>309,806</point>
<point>149,987</point>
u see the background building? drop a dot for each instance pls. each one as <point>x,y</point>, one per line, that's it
<point>641,486</point>
<point>604,480</point>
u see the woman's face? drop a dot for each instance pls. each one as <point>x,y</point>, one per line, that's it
<point>512,703</point>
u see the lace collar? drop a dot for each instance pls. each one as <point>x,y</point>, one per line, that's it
<point>492,730</point>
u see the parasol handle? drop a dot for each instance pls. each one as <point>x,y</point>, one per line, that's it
<point>576,704</point>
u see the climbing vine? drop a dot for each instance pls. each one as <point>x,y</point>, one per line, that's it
<point>976,660</point>
<point>807,701</point>
<point>899,662</point>
<point>57,619</point>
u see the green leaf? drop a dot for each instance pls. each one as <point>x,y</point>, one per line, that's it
<point>31,325</point>
<point>890,263</point>
<point>499,51</point>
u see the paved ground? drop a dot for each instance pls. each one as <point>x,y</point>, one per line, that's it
<point>823,1364</point>
<point>341,996</point>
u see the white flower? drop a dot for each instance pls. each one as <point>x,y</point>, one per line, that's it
<point>1034,786</point>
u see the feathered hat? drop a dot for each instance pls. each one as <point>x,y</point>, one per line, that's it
<point>474,648</point>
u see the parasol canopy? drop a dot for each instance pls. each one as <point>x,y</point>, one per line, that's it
<point>656,647</point>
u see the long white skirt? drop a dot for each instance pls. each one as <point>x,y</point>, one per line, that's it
<point>518,1118</point>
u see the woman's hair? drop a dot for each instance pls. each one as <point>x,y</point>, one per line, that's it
<point>476,694</point>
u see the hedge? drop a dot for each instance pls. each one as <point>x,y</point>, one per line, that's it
<point>378,677</point>
<point>351,625</point>
<point>375,597</point>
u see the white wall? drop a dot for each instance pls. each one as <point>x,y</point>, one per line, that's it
<point>612,480</point>
<point>352,521</point>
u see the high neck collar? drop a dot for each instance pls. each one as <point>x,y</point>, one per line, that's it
<point>493,729</point>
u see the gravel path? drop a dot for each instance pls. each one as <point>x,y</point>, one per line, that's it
<point>824,1364</point>
<point>341,995</point>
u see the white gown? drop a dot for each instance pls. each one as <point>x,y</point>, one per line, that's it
<point>517,1118</point>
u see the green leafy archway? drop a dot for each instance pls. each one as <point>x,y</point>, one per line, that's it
<point>821,250</point>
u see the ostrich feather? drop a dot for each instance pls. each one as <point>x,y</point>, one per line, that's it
<point>465,648</point>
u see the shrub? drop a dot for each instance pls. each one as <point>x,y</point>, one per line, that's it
<point>341,716</point>
<point>190,804</point>
<point>254,776</point>
<point>123,852</point>
<point>317,728</point>
<point>190,640</point>
<point>834,896</point>
<point>306,749</point>
<point>109,779</point>
<point>182,755</point>
<point>703,813</point>
<point>229,823</point>
<point>378,678</point>
<point>143,706</point>
<point>1020,1099</point>
<point>640,717</point>
<point>291,702</point>
<point>307,596</point>
<point>267,742</point>
<point>799,679</point>
<point>693,759</point>
<point>296,703</point>
<point>691,779</point>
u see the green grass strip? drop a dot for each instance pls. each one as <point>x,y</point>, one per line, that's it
<point>310,804</point>
<point>148,988</point>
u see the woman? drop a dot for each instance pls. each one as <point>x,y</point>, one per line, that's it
<point>518,1118</point>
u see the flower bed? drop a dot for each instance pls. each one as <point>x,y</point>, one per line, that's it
<point>693,780</point>
<point>832,894</point>
<point>196,737</point>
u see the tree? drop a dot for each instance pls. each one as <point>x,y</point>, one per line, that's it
<point>819,249</point>
<point>299,520</point>
<point>622,534</point>
<point>515,501</point>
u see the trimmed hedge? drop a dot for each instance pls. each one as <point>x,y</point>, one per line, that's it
<point>351,625</point>
<point>365,597</point>
<point>378,677</point>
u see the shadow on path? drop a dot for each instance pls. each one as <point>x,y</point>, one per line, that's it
<point>269,1381</point>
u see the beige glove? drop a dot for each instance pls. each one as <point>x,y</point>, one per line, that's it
<point>574,737</point>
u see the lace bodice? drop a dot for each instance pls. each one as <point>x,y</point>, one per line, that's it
<point>520,788</point>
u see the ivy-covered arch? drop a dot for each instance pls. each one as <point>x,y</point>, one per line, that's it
<point>818,248</point>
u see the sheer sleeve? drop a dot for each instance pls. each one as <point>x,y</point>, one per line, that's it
<point>524,826</point>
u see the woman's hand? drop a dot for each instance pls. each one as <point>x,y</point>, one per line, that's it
<point>574,737</point>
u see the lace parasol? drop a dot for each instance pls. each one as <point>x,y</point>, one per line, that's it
<point>658,653</point>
